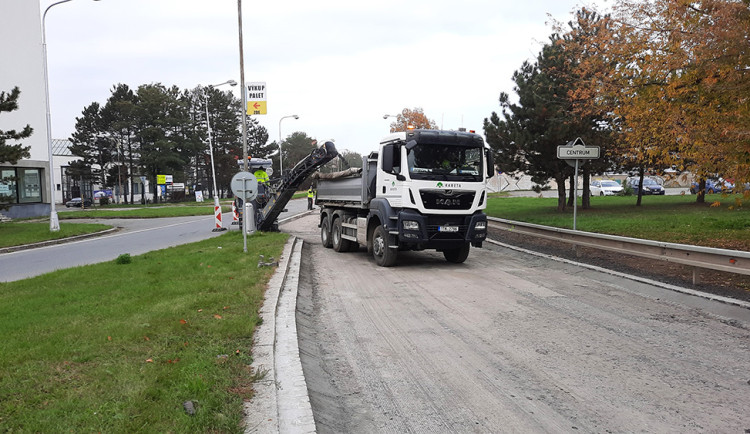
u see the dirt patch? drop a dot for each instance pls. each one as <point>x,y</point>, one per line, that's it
<point>730,285</point>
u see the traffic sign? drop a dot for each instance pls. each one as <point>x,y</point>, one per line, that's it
<point>573,152</point>
<point>256,108</point>
<point>245,186</point>
<point>577,150</point>
<point>256,98</point>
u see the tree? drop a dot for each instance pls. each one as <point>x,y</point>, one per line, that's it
<point>11,153</point>
<point>527,137</point>
<point>97,151</point>
<point>120,123</point>
<point>676,81</point>
<point>412,119</point>
<point>296,147</point>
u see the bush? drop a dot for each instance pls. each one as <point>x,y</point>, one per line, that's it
<point>104,201</point>
<point>124,259</point>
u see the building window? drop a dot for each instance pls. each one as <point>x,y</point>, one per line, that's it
<point>29,185</point>
<point>8,191</point>
<point>21,185</point>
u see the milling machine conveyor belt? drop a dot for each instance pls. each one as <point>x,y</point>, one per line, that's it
<point>282,192</point>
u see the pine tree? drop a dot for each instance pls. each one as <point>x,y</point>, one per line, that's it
<point>11,153</point>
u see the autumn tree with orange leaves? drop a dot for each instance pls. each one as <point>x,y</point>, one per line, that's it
<point>412,119</point>
<point>673,76</point>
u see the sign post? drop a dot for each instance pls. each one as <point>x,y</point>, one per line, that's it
<point>576,150</point>
<point>245,186</point>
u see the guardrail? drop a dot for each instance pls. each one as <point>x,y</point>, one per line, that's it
<point>733,261</point>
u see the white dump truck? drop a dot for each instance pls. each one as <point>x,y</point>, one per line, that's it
<point>423,189</point>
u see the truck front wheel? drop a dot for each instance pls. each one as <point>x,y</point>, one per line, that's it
<point>384,256</point>
<point>457,255</point>
<point>325,233</point>
<point>339,244</point>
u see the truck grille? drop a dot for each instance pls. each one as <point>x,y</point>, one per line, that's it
<point>447,199</point>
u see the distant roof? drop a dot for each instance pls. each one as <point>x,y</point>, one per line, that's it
<point>61,147</point>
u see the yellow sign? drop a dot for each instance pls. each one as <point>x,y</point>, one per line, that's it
<point>161,179</point>
<point>256,108</point>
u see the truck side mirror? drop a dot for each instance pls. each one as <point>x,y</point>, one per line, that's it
<point>490,163</point>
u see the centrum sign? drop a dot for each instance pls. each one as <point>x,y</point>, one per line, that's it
<point>576,150</point>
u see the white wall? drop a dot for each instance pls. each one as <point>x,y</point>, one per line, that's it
<point>21,54</point>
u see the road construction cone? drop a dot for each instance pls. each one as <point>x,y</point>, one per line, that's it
<point>235,215</point>
<point>217,218</point>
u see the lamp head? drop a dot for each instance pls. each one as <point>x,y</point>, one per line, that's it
<point>296,117</point>
<point>230,82</point>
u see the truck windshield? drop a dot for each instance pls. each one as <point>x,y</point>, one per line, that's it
<point>445,162</point>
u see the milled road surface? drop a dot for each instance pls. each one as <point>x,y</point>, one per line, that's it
<point>511,343</point>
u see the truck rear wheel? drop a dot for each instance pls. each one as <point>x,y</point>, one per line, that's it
<point>325,233</point>
<point>384,256</point>
<point>457,255</point>
<point>339,244</point>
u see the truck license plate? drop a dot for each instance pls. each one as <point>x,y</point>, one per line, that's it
<point>447,228</point>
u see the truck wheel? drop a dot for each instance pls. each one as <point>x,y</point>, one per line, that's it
<point>384,256</point>
<point>325,233</point>
<point>458,255</point>
<point>339,244</point>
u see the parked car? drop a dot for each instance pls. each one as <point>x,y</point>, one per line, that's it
<point>713,187</point>
<point>650,186</point>
<point>605,187</point>
<point>76,202</point>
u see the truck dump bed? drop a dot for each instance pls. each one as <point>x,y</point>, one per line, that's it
<point>353,188</point>
<point>342,188</point>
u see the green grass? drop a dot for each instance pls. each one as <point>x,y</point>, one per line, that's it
<point>677,219</point>
<point>18,233</point>
<point>144,212</point>
<point>120,347</point>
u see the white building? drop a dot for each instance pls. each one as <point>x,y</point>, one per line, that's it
<point>21,51</point>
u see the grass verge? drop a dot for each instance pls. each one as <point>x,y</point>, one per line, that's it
<point>19,233</point>
<point>721,222</point>
<point>143,212</point>
<point>119,347</point>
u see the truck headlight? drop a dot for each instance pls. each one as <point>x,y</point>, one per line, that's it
<point>411,225</point>
<point>480,226</point>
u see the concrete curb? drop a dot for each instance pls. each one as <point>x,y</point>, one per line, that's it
<point>281,403</point>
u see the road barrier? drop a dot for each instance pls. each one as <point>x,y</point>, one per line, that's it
<point>732,261</point>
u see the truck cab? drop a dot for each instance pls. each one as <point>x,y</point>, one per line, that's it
<point>435,183</point>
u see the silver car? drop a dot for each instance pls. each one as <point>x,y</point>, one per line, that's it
<point>605,187</point>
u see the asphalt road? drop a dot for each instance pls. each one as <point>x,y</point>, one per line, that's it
<point>510,342</point>
<point>136,236</point>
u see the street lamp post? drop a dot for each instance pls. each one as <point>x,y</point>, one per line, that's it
<point>54,223</point>
<point>386,116</point>
<point>243,91</point>
<point>210,145</point>
<point>281,156</point>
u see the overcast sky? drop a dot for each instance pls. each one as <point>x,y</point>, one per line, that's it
<point>338,64</point>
